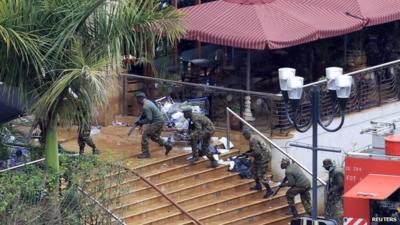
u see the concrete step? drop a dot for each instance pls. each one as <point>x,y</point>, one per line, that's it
<point>210,197</point>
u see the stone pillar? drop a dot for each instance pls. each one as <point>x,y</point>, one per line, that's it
<point>247,115</point>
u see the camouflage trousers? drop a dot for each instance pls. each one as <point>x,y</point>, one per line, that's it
<point>259,172</point>
<point>205,139</point>
<point>85,139</point>
<point>153,132</point>
<point>304,196</point>
<point>334,209</point>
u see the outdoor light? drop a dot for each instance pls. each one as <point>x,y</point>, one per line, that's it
<point>331,74</point>
<point>343,86</point>
<point>284,75</point>
<point>295,87</point>
<point>339,87</point>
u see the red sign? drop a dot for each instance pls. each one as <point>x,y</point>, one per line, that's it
<point>357,169</point>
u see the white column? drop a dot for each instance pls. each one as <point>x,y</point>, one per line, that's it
<point>247,115</point>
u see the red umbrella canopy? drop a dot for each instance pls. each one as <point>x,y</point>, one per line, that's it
<point>261,24</point>
<point>379,11</point>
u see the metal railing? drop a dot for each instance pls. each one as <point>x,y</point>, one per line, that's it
<point>110,214</point>
<point>228,134</point>
<point>358,71</point>
<point>373,86</point>
<point>102,207</point>
<point>22,165</point>
<point>176,205</point>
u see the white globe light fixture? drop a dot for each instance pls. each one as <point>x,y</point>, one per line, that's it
<point>343,86</point>
<point>295,87</point>
<point>284,75</point>
<point>331,74</point>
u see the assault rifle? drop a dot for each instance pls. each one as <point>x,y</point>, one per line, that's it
<point>279,187</point>
<point>136,124</point>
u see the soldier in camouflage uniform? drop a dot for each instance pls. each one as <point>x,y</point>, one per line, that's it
<point>261,153</point>
<point>85,139</point>
<point>334,202</point>
<point>299,184</point>
<point>201,129</point>
<point>152,116</point>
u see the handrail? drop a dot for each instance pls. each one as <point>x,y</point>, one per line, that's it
<point>22,165</point>
<point>102,206</point>
<point>80,189</point>
<point>267,94</point>
<point>164,195</point>
<point>199,85</point>
<point>357,71</point>
<point>32,162</point>
<point>268,140</point>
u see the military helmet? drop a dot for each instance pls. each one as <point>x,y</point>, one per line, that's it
<point>246,131</point>
<point>327,163</point>
<point>140,94</point>
<point>285,162</point>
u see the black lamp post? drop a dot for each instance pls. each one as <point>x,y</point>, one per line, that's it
<point>339,87</point>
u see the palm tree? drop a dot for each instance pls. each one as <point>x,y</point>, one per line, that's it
<point>64,53</point>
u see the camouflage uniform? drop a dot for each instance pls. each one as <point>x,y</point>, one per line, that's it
<point>84,138</point>
<point>262,155</point>
<point>201,129</point>
<point>334,206</point>
<point>299,184</point>
<point>152,116</point>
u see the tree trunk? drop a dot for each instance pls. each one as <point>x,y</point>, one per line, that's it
<point>51,152</point>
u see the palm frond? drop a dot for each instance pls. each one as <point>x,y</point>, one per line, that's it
<point>79,92</point>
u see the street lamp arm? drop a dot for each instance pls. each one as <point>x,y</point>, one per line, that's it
<point>331,116</point>
<point>300,128</point>
<point>303,128</point>
<point>342,112</point>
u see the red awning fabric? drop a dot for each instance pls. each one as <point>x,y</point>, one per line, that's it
<point>273,24</point>
<point>379,11</point>
<point>374,186</point>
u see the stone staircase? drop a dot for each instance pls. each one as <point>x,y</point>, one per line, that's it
<point>212,196</point>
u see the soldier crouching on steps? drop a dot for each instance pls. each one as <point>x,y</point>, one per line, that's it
<point>152,116</point>
<point>299,184</point>
<point>200,129</point>
<point>261,153</point>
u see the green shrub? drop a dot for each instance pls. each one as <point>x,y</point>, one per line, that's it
<point>31,196</point>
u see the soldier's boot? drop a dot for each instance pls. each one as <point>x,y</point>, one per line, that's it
<point>81,150</point>
<point>144,155</point>
<point>269,192</point>
<point>95,151</point>
<point>257,187</point>
<point>194,159</point>
<point>293,211</point>
<point>168,147</point>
